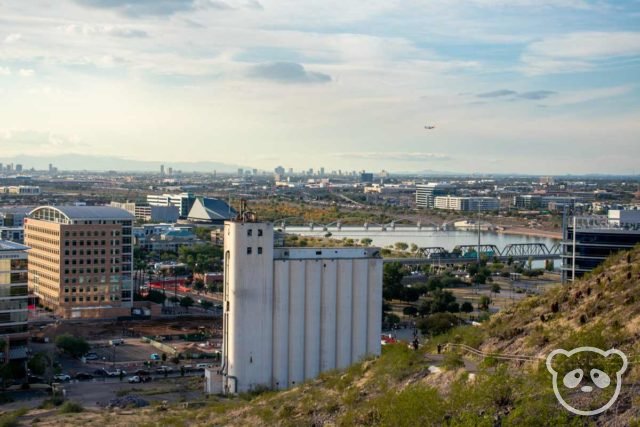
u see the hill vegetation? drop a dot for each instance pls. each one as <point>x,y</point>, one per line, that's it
<point>405,387</point>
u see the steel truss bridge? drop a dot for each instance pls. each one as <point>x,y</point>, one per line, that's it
<point>466,254</point>
<point>400,223</point>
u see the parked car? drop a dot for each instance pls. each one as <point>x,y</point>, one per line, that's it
<point>116,373</point>
<point>100,373</point>
<point>91,356</point>
<point>116,341</point>
<point>84,376</point>
<point>139,379</point>
<point>155,356</point>
<point>164,369</point>
<point>142,372</point>
<point>62,377</point>
<point>202,366</point>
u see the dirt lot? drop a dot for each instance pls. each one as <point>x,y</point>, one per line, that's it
<point>94,330</point>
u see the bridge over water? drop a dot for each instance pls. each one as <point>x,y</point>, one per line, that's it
<point>295,224</point>
<point>466,254</point>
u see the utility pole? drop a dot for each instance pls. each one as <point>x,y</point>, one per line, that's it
<point>478,251</point>
<point>573,253</point>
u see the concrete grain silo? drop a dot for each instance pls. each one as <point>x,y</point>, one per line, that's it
<point>292,313</point>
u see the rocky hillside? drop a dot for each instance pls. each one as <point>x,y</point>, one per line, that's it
<point>419,388</point>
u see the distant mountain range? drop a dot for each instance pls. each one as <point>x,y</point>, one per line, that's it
<point>80,162</point>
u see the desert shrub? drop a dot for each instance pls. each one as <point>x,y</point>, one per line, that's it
<point>69,407</point>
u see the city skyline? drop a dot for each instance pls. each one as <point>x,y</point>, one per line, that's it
<point>546,87</point>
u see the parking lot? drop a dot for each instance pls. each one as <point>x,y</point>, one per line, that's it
<point>132,351</point>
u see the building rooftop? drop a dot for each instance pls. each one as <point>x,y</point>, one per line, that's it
<point>74,213</point>
<point>210,209</point>
<point>6,245</point>
<point>325,253</point>
<point>16,210</point>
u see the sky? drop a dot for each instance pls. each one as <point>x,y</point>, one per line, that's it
<point>527,86</point>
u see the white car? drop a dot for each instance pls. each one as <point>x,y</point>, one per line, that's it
<point>134,379</point>
<point>62,377</point>
<point>116,373</point>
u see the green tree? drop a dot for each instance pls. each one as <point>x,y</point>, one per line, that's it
<point>198,285</point>
<point>186,302</point>
<point>392,281</point>
<point>73,346</point>
<point>401,246</point>
<point>495,288</point>
<point>484,303</point>
<point>466,307</point>
<point>548,265</point>
<point>392,319</point>
<point>410,294</point>
<point>480,278</point>
<point>366,241</point>
<point>39,363</point>
<point>410,311</point>
<point>437,324</point>
<point>442,301</point>
<point>206,305</point>
<point>155,296</point>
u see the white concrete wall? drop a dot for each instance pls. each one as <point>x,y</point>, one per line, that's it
<point>359,310</point>
<point>328,315</point>
<point>296,321</point>
<point>280,325</point>
<point>343,313</point>
<point>312,304</point>
<point>248,309</point>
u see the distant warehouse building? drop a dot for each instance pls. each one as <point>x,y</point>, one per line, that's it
<point>150,213</point>
<point>292,313</point>
<point>467,204</point>
<point>589,240</point>
<point>21,190</point>
<point>537,201</point>
<point>80,261</point>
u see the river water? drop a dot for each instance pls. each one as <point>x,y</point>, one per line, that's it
<point>426,237</point>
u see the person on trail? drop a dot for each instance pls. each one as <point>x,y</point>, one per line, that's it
<point>439,348</point>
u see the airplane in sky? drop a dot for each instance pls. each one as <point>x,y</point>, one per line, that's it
<point>429,127</point>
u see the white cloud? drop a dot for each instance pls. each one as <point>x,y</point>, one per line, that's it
<point>26,72</point>
<point>12,38</point>
<point>577,97</point>
<point>579,51</point>
<point>109,30</point>
<point>5,71</point>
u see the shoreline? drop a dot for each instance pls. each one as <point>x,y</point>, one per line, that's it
<point>522,231</point>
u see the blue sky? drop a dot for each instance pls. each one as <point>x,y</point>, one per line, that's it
<point>532,86</point>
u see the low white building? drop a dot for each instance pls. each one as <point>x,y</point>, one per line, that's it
<point>467,204</point>
<point>21,190</point>
<point>292,313</point>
